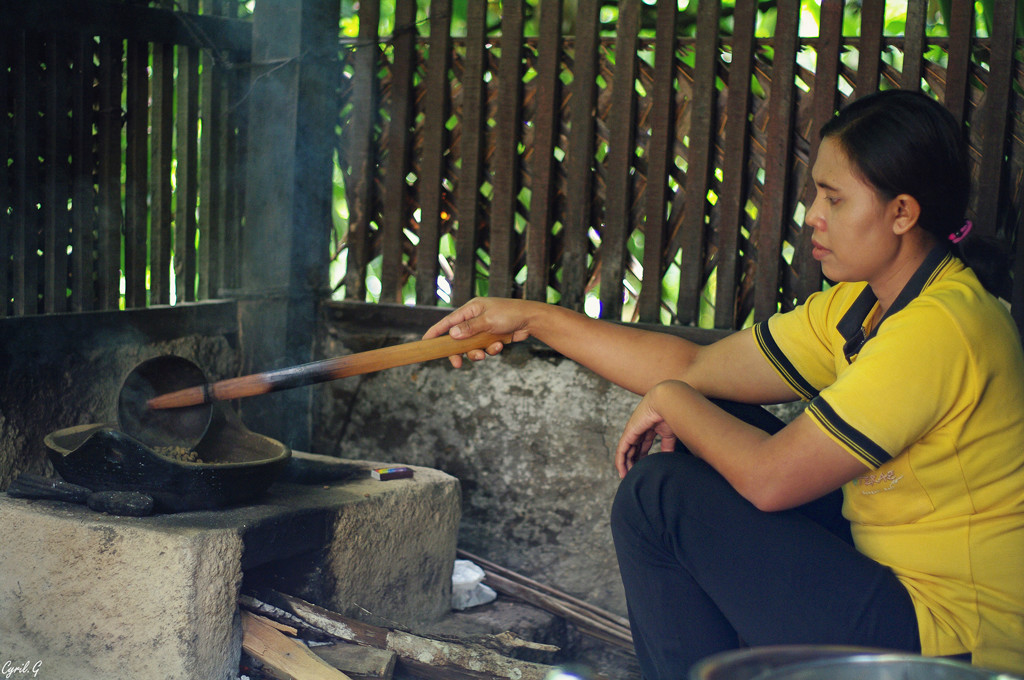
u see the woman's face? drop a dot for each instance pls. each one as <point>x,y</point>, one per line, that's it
<point>853,226</point>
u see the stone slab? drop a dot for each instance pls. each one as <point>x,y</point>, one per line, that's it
<point>88,595</point>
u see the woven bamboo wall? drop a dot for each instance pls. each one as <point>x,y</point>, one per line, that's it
<point>541,157</point>
<point>664,176</point>
<point>109,167</point>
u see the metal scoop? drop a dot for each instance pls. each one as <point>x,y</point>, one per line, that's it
<point>181,427</point>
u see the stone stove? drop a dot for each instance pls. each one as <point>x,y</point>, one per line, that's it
<point>89,595</point>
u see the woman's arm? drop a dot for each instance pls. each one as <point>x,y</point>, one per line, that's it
<point>630,357</point>
<point>774,472</point>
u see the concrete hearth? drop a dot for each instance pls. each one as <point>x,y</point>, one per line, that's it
<point>88,595</point>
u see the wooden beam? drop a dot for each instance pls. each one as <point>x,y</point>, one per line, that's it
<point>293,109</point>
<point>776,207</point>
<point>580,157</point>
<point>285,657</point>
<point>734,175</point>
<point>543,165</point>
<point>134,21</point>
<point>434,160</point>
<point>396,212</point>
<point>506,171</point>
<point>617,225</point>
<point>471,150</point>
<point>358,149</point>
<point>699,163</point>
<point>659,155</point>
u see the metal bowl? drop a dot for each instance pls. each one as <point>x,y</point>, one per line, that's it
<point>834,662</point>
<point>755,662</point>
<point>883,667</point>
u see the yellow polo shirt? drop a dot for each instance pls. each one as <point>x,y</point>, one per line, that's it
<point>931,399</point>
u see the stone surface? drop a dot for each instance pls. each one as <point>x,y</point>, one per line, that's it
<point>91,595</point>
<point>530,435</point>
<point>531,438</point>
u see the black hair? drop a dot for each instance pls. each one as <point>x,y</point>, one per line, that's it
<point>905,142</point>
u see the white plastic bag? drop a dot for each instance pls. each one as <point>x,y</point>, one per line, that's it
<point>467,587</point>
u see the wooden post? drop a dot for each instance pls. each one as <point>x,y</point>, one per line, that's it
<point>293,109</point>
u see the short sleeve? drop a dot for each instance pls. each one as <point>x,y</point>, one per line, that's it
<point>905,381</point>
<point>801,344</point>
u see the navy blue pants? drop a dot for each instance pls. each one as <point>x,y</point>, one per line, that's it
<point>705,571</point>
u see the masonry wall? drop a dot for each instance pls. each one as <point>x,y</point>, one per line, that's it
<point>529,434</point>
<point>61,370</point>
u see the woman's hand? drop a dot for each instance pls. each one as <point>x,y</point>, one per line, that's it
<point>485,315</point>
<point>638,436</point>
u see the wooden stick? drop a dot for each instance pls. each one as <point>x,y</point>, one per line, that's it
<point>327,369</point>
<point>588,618</point>
<point>497,569</point>
<point>587,622</point>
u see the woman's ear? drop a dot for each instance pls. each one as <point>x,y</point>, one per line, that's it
<point>907,212</point>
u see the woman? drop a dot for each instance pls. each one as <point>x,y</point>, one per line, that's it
<point>915,381</point>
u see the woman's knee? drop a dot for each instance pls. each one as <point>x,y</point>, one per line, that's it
<point>656,481</point>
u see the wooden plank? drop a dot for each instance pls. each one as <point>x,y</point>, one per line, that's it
<point>186,185</point>
<point>213,171</point>
<point>958,63</point>
<point>399,143</point>
<point>83,162</point>
<point>580,152</point>
<point>56,221</point>
<point>869,51</point>
<point>471,152</point>
<point>913,47</point>
<point>618,223</point>
<point>136,174</point>
<point>162,150</point>
<point>109,217</point>
<point>7,61</point>
<point>52,335</point>
<point>659,154</point>
<point>505,170</point>
<point>734,187</point>
<point>27,181</point>
<point>992,121</point>
<point>826,80</point>
<point>236,169</point>
<point>437,104</point>
<point>361,663</point>
<point>546,120</point>
<point>699,163</point>
<point>282,655</point>
<point>358,141</point>
<point>776,209</point>
<point>131,21</point>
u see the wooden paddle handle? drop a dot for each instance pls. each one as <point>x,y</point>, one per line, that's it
<point>327,369</point>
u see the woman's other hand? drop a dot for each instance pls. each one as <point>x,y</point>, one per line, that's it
<point>638,436</point>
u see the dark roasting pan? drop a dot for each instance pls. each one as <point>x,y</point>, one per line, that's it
<point>237,464</point>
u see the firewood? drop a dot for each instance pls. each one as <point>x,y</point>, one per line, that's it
<point>268,611</point>
<point>424,656</point>
<point>282,656</point>
<point>358,662</point>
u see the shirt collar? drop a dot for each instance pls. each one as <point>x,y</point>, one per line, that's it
<point>851,326</point>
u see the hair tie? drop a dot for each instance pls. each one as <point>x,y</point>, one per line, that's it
<point>962,232</point>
